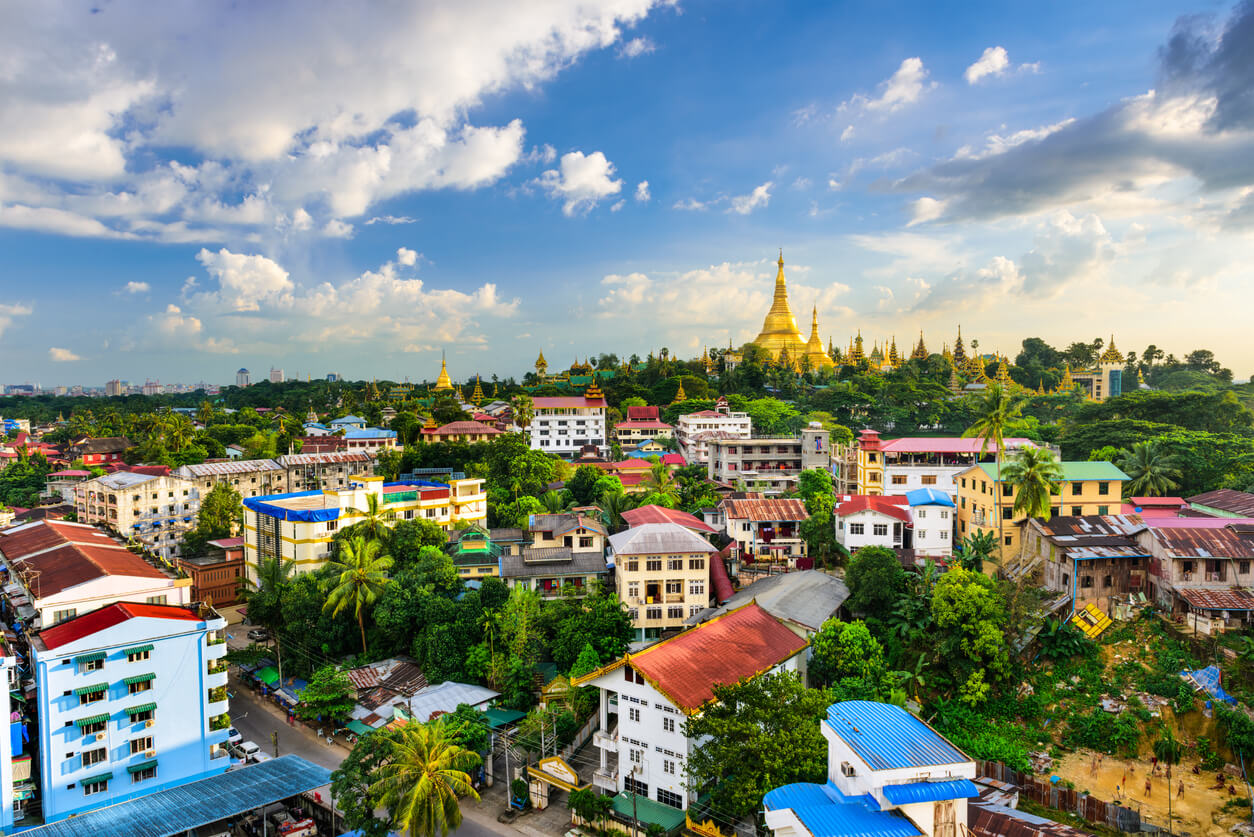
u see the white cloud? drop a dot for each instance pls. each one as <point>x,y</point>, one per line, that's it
<point>407,257</point>
<point>801,184</point>
<point>999,144</point>
<point>619,204</point>
<point>994,62</point>
<point>335,228</point>
<point>136,287</point>
<point>636,47</point>
<point>689,205</point>
<point>846,134</point>
<point>925,209</point>
<point>642,191</point>
<point>245,282</point>
<point>581,182</point>
<point>302,220</point>
<point>391,219</point>
<point>8,311</point>
<point>744,204</point>
<point>59,355</point>
<point>904,87</point>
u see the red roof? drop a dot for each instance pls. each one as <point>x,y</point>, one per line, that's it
<point>944,444</point>
<point>69,554</point>
<point>549,402</point>
<point>73,472</point>
<point>661,514</point>
<point>642,413</point>
<point>1174,502</point>
<point>673,459</point>
<point>463,428</point>
<point>630,480</point>
<point>718,575</point>
<point>730,648</point>
<point>110,615</point>
<point>890,506</point>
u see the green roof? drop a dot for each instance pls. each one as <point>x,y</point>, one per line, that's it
<point>99,777</point>
<point>139,678</point>
<point>143,765</point>
<point>498,718</point>
<point>138,649</point>
<point>358,727</point>
<point>143,707</point>
<point>268,675</point>
<point>1074,471</point>
<point>94,719</point>
<point>92,689</point>
<point>90,658</point>
<point>648,811</point>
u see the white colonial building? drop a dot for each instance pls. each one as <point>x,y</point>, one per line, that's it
<point>694,431</point>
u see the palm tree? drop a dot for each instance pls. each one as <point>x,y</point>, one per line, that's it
<point>363,576</point>
<point>552,502</point>
<point>1168,750</point>
<point>994,411</point>
<point>1033,474</point>
<point>615,503</point>
<point>660,480</point>
<point>1153,472</point>
<point>264,596</point>
<point>375,520</point>
<point>423,778</point>
<point>524,410</point>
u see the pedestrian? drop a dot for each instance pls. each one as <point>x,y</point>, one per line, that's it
<point>1147,786</point>
<point>1180,790</point>
<point>1116,793</point>
<point>1093,766</point>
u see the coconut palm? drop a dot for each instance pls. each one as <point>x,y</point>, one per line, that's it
<point>994,411</point>
<point>552,501</point>
<point>615,503</point>
<point>423,778</point>
<point>660,480</point>
<point>1034,475</point>
<point>374,519</point>
<point>363,577</point>
<point>1153,473</point>
<point>264,597</point>
<point>524,410</point>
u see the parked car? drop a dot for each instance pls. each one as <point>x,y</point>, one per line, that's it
<point>233,736</point>
<point>258,757</point>
<point>258,634</point>
<point>246,750</point>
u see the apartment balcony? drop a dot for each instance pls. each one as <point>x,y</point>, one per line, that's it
<point>606,740</point>
<point>673,598</point>
<point>220,707</point>
<point>217,752</point>
<point>606,778</point>
<point>215,649</point>
<point>215,678</point>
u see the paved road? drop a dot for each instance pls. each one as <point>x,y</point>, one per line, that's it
<point>257,720</point>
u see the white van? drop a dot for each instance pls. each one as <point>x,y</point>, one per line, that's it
<point>246,750</point>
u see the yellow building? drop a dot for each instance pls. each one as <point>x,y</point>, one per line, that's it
<point>1086,488</point>
<point>662,575</point>
<point>300,526</point>
<point>1103,381</point>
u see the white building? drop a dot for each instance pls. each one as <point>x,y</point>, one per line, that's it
<point>243,378</point>
<point>647,696</point>
<point>934,515</point>
<point>132,700</point>
<point>154,510</point>
<point>564,425</point>
<point>276,375</point>
<point>694,431</point>
<point>871,520</point>
<point>888,775</point>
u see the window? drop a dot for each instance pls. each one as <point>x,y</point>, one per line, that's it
<point>1077,488</point>
<point>96,693</point>
<point>134,655</point>
<point>666,797</point>
<point>97,786</point>
<point>633,566</point>
<point>149,772</point>
<point>1243,567</point>
<point>870,457</point>
<point>1076,511</point>
<point>633,590</point>
<point>633,714</point>
<point>637,756</point>
<point>696,563</point>
<point>1106,581</point>
<point>922,534</point>
<point>1086,581</point>
<point>874,477</point>
<point>856,528</point>
<point>668,724</point>
<point>944,534</point>
<point>1103,488</point>
<point>1008,539</point>
<point>962,501</point>
<point>675,612</point>
<point>964,482</point>
<point>674,586</point>
<point>140,715</point>
<point>585,541</point>
<point>697,588</point>
<point>922,513</point>
<point>1007,512</point>
<point>899,479</point>
<point>929,479</point>
<point>653,565</point>
<point>62,615</point>
<point>94,727</point>
<point>879,529</point>
<point>139,745</point>
<point>653,613</point>
<point>156,600</point>
<point>944,514</point>
<point>1103,509</point>
<point>95,756</point>
<point>674,563</point>
<point>91,665</point>
<point>668,766</point>
<point>639,788</point>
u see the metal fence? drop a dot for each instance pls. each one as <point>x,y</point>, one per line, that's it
<point>1082,805</point>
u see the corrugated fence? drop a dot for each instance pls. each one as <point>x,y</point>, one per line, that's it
<point>1064,799</point>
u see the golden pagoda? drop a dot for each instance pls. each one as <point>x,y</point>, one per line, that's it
<point>1111,355</point>
<point>975,367</point>
<point>818,358</point>
<point>1040,387</point>
<point>496,391</point>
<point>477,396</point>
<point>946,354</point>
<point>594,390</point>
<point>855,349</point>
<point>920,350</point>
<point>461,397</point>
<point>960,353</point>
<point>1140,379</point>
<point>779,329</point>
<point>1003,372</point>
<point>894,359</point>
<point>430,424</point>
<point>680,395</point>
<point>542,365</point>
<point>444,382</point>
<point>1066,384</point>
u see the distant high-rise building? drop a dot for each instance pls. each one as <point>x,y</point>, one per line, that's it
<point>113,387</point>
<point>276,375</point>
<point>243,378</point>
<point>333,377</point>
<point>152,387</point>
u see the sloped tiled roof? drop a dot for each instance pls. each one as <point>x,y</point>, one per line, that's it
<point>465,428</point>
<point>66,555</point>
<point>889,506</point>
<point>658,539</point>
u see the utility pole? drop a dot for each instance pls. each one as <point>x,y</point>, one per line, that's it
<point>274,739</point>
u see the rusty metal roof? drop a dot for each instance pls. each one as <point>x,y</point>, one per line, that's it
<point>765,511</point>
<point>1227,500</point>
<point>1204,543</point>
<point>1235,598</point>
<point>1095,536</point>
<point>329,458</point>
<point>1094,525</point>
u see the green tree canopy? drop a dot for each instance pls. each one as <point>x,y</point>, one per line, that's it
<point>329,696</point>
<point>875,579</point>
<point>969,638</point>
<point>847,657</point>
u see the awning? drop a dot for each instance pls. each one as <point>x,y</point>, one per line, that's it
<point>930,791</point>
<point>143,707</point>
<point>94,688</point>
<point>358,727</point>
<point>143,765</point>
<point>648,811</point>
<point>138,678</point>
<point>138,649</point>
<point>498,718</point>
<point>99,777</point>
<point>89,658</point>
<point>267,675</point>
<point>94,719</point>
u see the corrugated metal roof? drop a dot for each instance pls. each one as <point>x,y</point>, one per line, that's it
<point>826,812</point>
<point>1227,500</point>
<point>947,444</point>
<point>1203,543</point>
<point>887,736</point>
<point>1074,471</point>
<point>233,466</point>
<point>807,598</point>
<point>930,791</point>
<point>763,511</point>
<point>328,458</point>
<point>658,539</point>
<point>661,514</point>
<point>929,497</point>
<point>178,810</point>
<point>1231,599</point>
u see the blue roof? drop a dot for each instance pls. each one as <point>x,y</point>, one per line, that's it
<point>887,736</point>
<point>349,419</point>
<point>370,433</point>
<point>930,791</point>
<point>266,505</point>
<point>180,809</point>
<point>826,812</point>
<point>928,497</point>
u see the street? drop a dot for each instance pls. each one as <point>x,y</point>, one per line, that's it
<point>257,720</point>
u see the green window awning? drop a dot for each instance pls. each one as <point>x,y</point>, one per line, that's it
<point>268,675</point>
<point>138,649</point>
<point>89,658</point>
<point>143,765</point>
<point>94,719</point>
<point>99,777</point>
<point>143,707</point>
<point>648,811</point>
<point>139,678</point>
<point>358,727</point>
<point>94,688</point>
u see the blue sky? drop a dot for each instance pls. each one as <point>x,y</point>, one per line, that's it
<point>190,191</point>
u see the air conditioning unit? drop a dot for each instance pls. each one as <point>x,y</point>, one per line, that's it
<point>100,736</point>
<point>148,724</point>
<point>149,753</point>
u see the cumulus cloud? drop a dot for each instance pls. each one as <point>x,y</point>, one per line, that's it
<point>581,181</point>
<point>642,191</point>
<point>59,355</point>
<point>245,282</point>
<point>335,228</point>
<point>994,62</point>
<point>636,47</point>
<point>744,204</point>
<point>924,210</point>
<point>327,113</point>
<point>10,311</point>
<point>406,257</point>
<point>904,87</point>
<point>136,287</point>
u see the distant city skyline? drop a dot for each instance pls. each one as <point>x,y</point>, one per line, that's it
<point>614,177</point>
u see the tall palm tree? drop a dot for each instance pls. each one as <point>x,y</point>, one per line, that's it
<point>994,411</point>
<point>264,597</point>
<point>615,503</point>
<point>524,410</point>
<point>1034,475</point>
<point>374,518</point>
<point>552,502</point>
<point>1153,472</point>
<point>363,577</point>
<point>660,480</point>
<point>423,778</point>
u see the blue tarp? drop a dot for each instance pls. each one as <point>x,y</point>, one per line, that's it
<point>18,736</point>
<point>1208,679</point>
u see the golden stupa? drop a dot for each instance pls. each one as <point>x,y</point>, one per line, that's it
<point>818,359</point>
<point>779,330</point>
<point>443,382</point>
